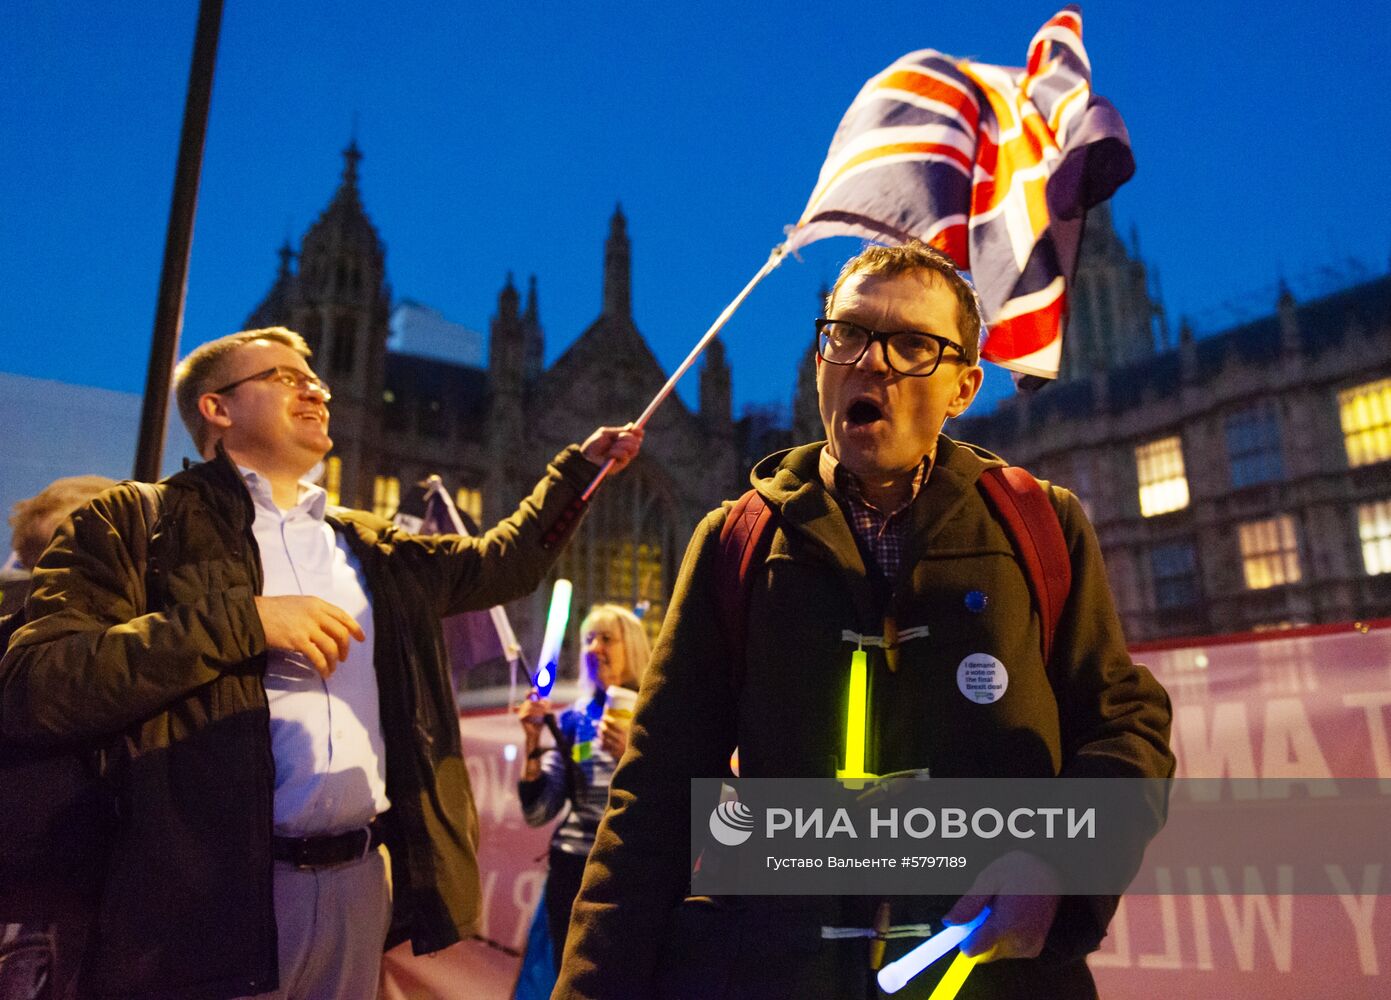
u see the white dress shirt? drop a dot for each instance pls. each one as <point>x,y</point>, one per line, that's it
<point>326,735</point>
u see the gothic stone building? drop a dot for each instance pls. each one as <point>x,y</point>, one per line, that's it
<point>1241,481</point>
<point>489,432</point>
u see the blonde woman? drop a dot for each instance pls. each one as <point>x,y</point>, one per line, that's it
<point>614,653</point>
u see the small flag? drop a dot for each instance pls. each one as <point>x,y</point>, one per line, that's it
<point>474,639</point>
<point>994,166</point>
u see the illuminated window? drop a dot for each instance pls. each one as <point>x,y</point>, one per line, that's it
<point>386,495</point>
<point>333,479</point>
<point>1374,528</point>
<point>1253,446</point>
<point>1175,569</point>
<point>470,502</point>
<point>1366,416</point>
<point>1163,486</point>
<point>1269,552</point>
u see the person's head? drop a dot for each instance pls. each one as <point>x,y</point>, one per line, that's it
<point>33,521</point>
<point>255,392</point>
<point>883,411</point>
<point>613,647</point>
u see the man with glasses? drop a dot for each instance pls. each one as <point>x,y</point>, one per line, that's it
<point>881,538</point>
<point>268,675</point>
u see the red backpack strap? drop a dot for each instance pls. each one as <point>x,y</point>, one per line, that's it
<point>1032,525</point>
<point>743,541</point>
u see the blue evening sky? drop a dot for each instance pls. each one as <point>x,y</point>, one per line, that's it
<point>498,137</point>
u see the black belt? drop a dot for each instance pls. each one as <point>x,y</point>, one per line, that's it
<point>335,849</point>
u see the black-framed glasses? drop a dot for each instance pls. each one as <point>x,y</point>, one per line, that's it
<point>290,378</point>
<point>907,352</point>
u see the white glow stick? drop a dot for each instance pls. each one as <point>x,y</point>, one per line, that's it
<point>894,976</point>
<point>556,620</point>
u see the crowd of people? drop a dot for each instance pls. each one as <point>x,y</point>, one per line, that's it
<point>256,682</point>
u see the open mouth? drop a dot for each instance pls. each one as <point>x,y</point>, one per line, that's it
<point>863,412</point>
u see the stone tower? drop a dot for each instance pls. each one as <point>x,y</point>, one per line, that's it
<point>1113,316</point>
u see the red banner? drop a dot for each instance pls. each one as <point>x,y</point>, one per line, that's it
<point>1313,703</point>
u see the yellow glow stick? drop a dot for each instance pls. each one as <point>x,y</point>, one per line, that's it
<point>855,718</point>
<point>950,984</point>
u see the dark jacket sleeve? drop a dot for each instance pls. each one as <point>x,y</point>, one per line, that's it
<point>507,561</point>
<point>684,727</point>
<point>1114,715</point>
<point>91,661</point>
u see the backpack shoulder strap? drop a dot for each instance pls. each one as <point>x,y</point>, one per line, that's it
<point>744,540</point>
<point>1033,528</point>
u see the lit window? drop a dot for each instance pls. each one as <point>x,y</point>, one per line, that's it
<point>1366,416</point>
<point>1269,552</point>
<point>333,479</point>
<point>1175,568</point>
<point>470,502</point>
<point>386,495</point>
<point>1163,485</point>
<point>1253,446</point>
<point>1374,528</point>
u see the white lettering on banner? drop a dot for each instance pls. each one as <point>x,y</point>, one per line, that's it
<point>1372,705</point>
<point>485,904</point>
<point>1172,955</point>
<point>1217,750</point>
<point>1360,908</point>
<point>1278,924</point>
<point>526,893</point>
<point>1202,927</point>
<point>1076,824</point>
<point>889,823</point>
<point>1290,751</point>
<point>1115,947</point>
<point>494,784</point>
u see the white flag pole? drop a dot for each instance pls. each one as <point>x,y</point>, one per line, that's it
<point>774,259</point>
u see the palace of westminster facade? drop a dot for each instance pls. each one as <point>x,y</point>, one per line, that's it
<point>1237,481</point>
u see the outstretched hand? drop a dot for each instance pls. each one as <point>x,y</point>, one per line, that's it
<point>313,628</point>
<point>1022,893</point>
<point>621,444</point>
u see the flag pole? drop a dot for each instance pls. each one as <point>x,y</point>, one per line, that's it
<point>774,259</point>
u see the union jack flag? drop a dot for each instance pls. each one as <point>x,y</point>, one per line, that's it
<point>995,166</point>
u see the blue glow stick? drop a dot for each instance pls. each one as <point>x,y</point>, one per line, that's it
<point>894,976</point>
<point>556,620</point>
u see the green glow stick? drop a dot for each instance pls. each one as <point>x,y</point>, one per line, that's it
<point>855,719</point>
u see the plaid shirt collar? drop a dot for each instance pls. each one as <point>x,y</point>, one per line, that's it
<point>883,535</point>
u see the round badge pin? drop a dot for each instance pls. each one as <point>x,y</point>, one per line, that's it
<point>976,601</point>
<point>982,678</point>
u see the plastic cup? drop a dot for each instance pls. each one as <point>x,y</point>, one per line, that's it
<point>619,703</point>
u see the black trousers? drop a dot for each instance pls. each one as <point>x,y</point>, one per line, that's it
<point>562,886</point>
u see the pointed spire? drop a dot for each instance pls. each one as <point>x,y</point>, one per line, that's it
<point>617,265</point>
<point>534,346</point>
<point>508,300</point>
<point>287,254</point>
<point>533,312</point>
<point>1288,314</point>
<point>352,156</point>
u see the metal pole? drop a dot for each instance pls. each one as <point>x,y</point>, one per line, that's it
<point>178,241</point>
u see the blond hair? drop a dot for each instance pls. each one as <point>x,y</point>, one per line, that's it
<point>918,256</point>
<point>205,368</point>
<point>32,521</point>
<point>636,651</point>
